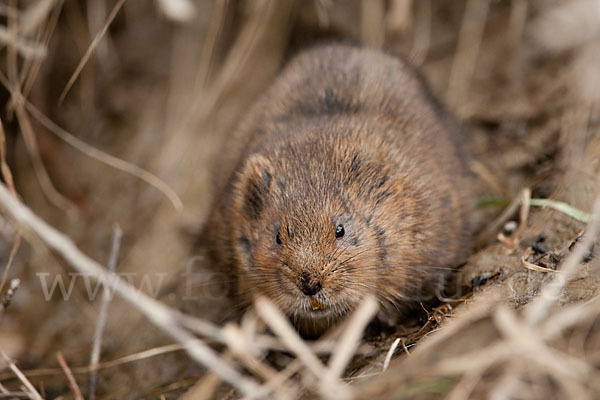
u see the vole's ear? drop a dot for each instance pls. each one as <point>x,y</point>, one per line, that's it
<point>254,184</point>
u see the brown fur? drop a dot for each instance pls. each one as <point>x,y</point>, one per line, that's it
<point>345,136</point>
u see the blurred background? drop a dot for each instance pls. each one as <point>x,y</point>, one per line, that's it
<point>117,112</point>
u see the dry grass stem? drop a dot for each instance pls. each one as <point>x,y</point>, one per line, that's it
<point>31,67</point>
<point>540,307</point>
<point>505,387</point>
<point>70,378</point>
<point>97,154</point>
<point>240,347</point>
<point>465,59</point>
<point>215,32</point>
<point>30,141</point>
<point>178,10</point>
<point>484,173</point>
<point>516,23</point>
<point>422,37</point>
<point>35,15</point>
<point>103,314</point>
<point>24,47</point>
<point>399,16</point>
<point>282,376</point>
<point>512,242</point>
<point>266,17</point>
<point>99,36</point>
<point>523,212</point>
<point>13,367</point>
<point>159,314</point>
<point>372,22</point>
<point>201,327</point>
<point>532,266</point>
<point>491,230</point>
<point>465,386</point>
<point>524,340</point>
<point>15,395</point>
<point>204,389</point>
<point>472,361</point>
<point>52,194</point>
<point>142,355</point>
<point>348,343</point>
<point>11,258</point>
<point>322,8</point>
<point>570,316</point>
<point>566,25</point>
<point>6,173</point>
<point>288,335</point>
<point>6,298</point>
<point>8,178</point>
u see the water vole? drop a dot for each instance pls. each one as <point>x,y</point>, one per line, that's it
<point>346,178</point>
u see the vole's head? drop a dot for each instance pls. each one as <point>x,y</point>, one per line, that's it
<point>306,234</point>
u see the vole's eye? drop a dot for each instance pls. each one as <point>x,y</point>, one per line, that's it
<point>278,238</point>
<point>339,231</point>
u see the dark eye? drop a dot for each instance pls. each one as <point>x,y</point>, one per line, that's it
<point>278,238</point>
<point>339,231</point>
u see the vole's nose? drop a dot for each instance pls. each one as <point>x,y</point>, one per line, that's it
<point>308,286</point>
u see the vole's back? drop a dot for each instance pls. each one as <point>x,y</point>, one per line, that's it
<point>327,81</point>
